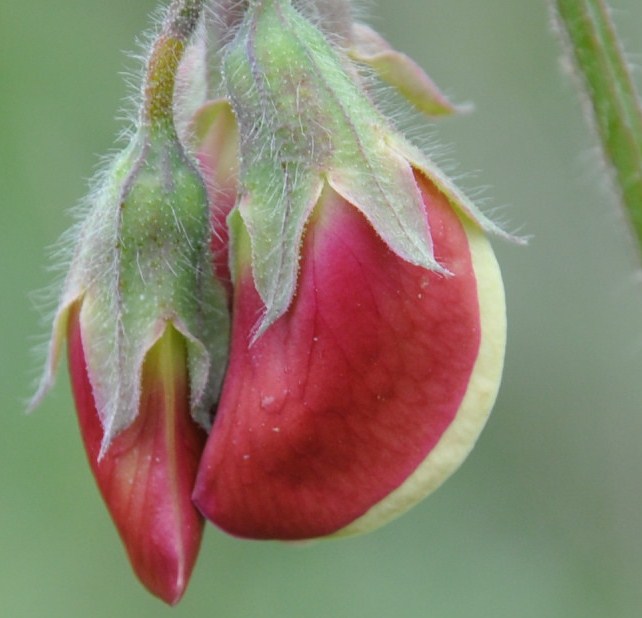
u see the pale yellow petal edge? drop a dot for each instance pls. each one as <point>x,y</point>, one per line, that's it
<point>459,439</point>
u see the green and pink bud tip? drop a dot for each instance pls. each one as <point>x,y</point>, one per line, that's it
<point>147,329</point>
<point>368,320</point>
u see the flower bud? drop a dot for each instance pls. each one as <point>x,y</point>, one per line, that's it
<point>147,330</point>
<point>146,475</point>
<point>378,349</point>
<point>147,324</point>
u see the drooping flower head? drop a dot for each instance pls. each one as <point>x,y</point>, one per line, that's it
<point>368,312</point>
<point>146,325</point>
<point>367,309</point>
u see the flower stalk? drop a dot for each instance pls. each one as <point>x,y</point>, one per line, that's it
<point>164,60</point>
<point>611,100</point>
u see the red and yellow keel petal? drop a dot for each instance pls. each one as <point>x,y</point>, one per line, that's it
<point>459,438</point>
<point>367,393</point>
<point>147,474</point>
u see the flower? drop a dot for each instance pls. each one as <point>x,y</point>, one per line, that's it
<point>368,312</point>
<point>147,473</point>
<point>367,309</point>
<point>146,324</point>
<point>370,389</point>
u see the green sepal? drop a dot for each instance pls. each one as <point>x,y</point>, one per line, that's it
<point>143,262</point>
<point>455,196</point>
<point>401,72</point>
<point>304,121</point>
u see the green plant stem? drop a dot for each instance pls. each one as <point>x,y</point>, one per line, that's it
<point>611,98</point>
<point>166,54</point>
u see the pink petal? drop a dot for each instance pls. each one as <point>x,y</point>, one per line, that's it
<point>147,474</point>
<point>342,398</point>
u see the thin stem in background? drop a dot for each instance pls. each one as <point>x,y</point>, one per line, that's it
<point>592,44</point>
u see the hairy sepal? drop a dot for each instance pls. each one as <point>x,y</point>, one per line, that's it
<point>401,72</point>
<point>303,122</point>
<point>90,257</point>
<point>455,196</point>
<point>142,262</point>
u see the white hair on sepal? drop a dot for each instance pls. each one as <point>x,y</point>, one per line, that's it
<point>423,133</point>
<point>222,19</point>
<point>65,251</point>
<point>193,84</point>
<point>61,253</point>
<point>46,301</point>
<point>403,117</point>
<point>134,76</point>
<point>332,17</point>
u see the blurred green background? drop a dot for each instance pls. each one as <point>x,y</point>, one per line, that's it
<point>545,517</point>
